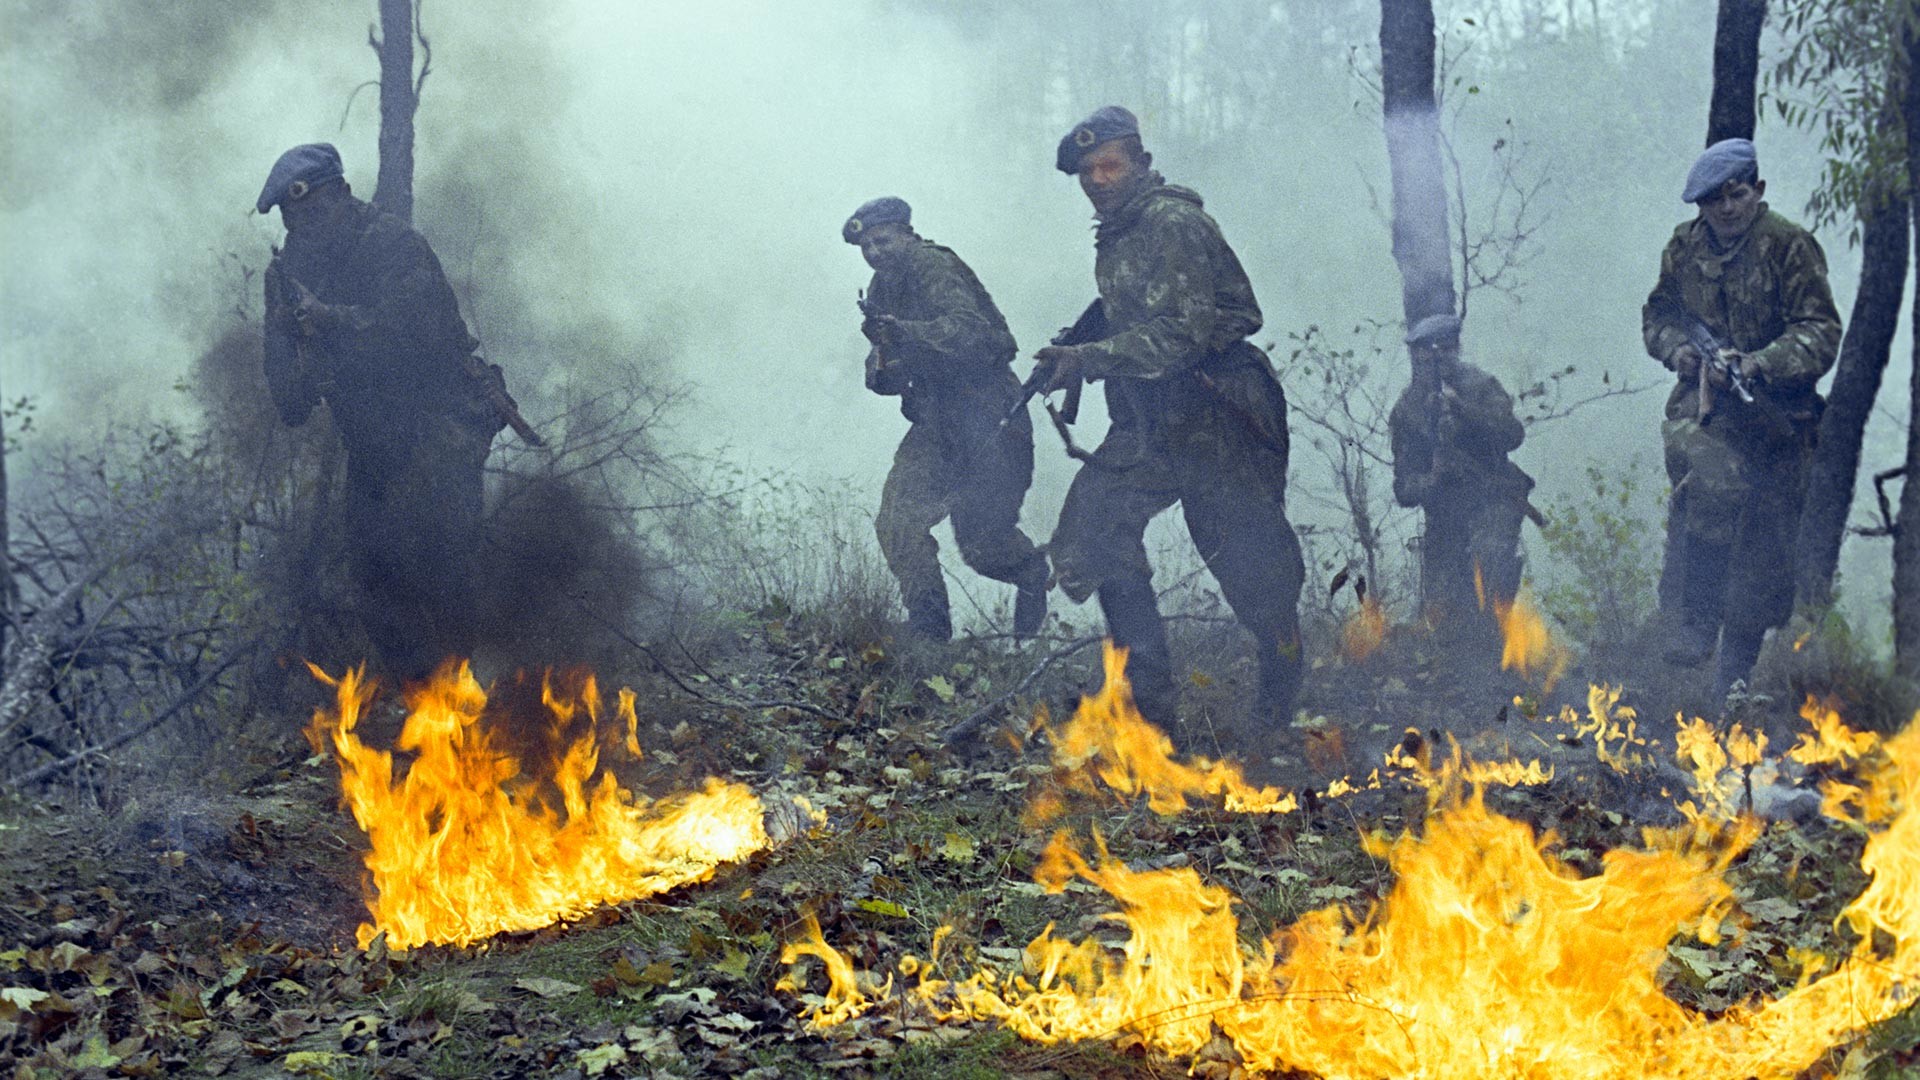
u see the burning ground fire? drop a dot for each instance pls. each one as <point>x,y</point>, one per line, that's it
<point>470,842</point>
<point>1490,956</point>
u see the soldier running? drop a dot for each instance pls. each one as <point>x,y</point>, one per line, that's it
<point>1750,288</point>
<point>942,347</point>
<point>1198,418</point>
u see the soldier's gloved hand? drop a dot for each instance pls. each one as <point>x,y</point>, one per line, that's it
<point>1717,375</point>
<point>1065,364</point>
<point>310,315</point>
<point>1686,362</point>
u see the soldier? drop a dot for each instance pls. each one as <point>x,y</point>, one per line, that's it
<point>1751,288</point>
<point>1197,418</point>
<point>942,347</point>
<point>360,315</point>
<point>1452,430</point>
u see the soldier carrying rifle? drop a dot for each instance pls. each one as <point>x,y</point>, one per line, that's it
<point>1452,430</point>
<point>1742,311</point>
<point>1197,417</point>
<point>940,345</point>
<point>360,315</point>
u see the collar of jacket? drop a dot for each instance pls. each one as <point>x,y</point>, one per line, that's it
<point>1713,257</point>
<point>1152,187</point>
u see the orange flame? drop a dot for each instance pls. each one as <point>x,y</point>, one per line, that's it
<point>1527,645</point>
<point>1830,741</point>
<point>1107,738</point>
<point>1488,957</point>
<point>465,845</point>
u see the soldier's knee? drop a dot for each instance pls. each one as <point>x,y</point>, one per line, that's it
<point>898,534</point>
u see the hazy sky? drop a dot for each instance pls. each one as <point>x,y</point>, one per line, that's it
<point>668,180</point>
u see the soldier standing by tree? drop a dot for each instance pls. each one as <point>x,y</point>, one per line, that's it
<point>1452,430</point>
<point>1198,418</point>
<point>1742,310</point>
<point>942,347</point>
<point>360,315</point>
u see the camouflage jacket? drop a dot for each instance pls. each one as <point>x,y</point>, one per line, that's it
<point>948,356</point>
<point>1442,456</point>
<point>1766,296</point>
<point>1176,301</point>
<point>391,360</point>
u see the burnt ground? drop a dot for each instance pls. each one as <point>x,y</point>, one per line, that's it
<point>210,932</point>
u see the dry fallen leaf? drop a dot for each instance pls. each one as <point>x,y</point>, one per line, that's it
<point>547,988</point>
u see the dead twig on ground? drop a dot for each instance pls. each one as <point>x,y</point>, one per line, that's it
<point>724,703</point>
<point>968,728</point>
<point>179,705</point>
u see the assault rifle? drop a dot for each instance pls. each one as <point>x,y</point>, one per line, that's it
<point>1713,359</point>
<point>871,327</point>
<point>1089,327</point>
<point>487,379</point>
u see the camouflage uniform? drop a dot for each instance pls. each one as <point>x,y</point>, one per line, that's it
<point>947,359</point>
<point>415,428</point>
<point>1739,475</point>
<point>1452,462</point>
<point>1197,418</point>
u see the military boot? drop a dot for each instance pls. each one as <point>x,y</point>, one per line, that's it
<point>1702,591</point>
<point>1133,621</point>
<point>1266,731</point>
<point>1030,603</point>
<point>1279,682</point>
<point>928,618</point>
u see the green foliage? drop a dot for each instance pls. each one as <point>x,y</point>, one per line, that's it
<point>1819,655</point>
<point>1843,75</point>
<point>1607,549</point>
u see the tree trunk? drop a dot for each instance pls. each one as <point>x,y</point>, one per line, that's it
<point>8,594</point>
<point>393,192</point>
<point>1413,155</point>
<point>1856,383</point>
<point>1736,69</point>
<point>1906,538</point>
<point>1731,114</point>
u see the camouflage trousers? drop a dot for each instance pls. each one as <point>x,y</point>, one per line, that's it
<point>980,486</point>
<point>1481,533</point>
<point>1740,491</point>
<point>1230,482</point>
<point>413,529</point>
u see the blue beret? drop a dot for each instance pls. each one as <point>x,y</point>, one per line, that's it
<point>309,165</point>
<point>885,210</point>
<point>1434,329</point>
<point>1728,159</point>
<point>1105,125</point>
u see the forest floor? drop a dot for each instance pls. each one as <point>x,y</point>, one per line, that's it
<point>211,932</point>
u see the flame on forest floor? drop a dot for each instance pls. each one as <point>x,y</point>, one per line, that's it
<point>1107,739</point>
<point>1107,743</point>
<point>1527,645</point>
<point>472,841</point>
<point>1490,956</point>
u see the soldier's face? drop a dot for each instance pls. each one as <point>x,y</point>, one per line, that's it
<point>1732,210</point>
<point>313,209</point>
<point>885,245</point>
<point>1436,354</point>
<point>1107,175</point>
